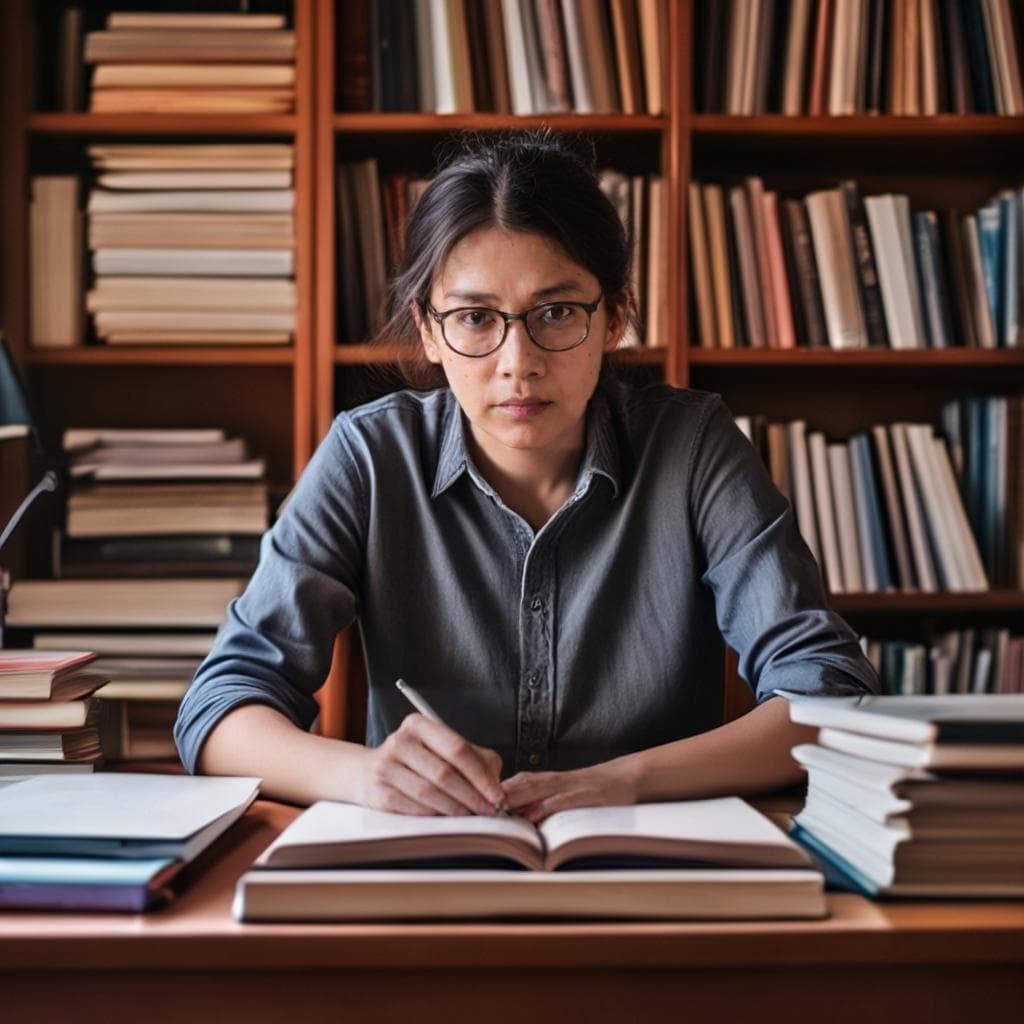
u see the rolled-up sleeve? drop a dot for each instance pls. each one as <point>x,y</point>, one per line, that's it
<point>275,646</point>
<point>770,601</point>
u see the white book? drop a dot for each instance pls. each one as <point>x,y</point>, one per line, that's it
<point>833,254</point>
<point>665,894</point>
<point>900,297</point>
<point>846,525</point>
<point>83,437</point>
<point>251,469</point>
<point>935,506</point>
<point>112,814</point>
<point>947,756</point>
<point>114,320</point>
<point>443,62</point>
<point>213,200</point>
<point>839,63</point>
<point>579,71</point>
<point>518,65</point>
<point>120,603</point>
<point>199,180</point>
<point>912,504</point>
<point>195,262</point>
<point>803,492</point>
<point>823,505</point>
<point>862,518</point>
<point>192,293</point>
<point>796,50</point>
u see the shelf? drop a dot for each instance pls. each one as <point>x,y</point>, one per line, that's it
<point>887,127</point>
<point>922,604</point>
<point>954,358</point>
<point>362,354</point>
<point>99,355</point>
<point>421,122</point>
<point>162,124</point>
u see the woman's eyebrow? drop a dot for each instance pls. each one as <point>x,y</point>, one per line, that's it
<point>543,293</point>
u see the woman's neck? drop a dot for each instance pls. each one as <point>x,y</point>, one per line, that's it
<point>534,484</point>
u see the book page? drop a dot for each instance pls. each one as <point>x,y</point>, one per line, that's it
<point>331,824</point>
<point>727,827</point>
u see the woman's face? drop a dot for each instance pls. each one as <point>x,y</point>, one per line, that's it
<point>521,397</point>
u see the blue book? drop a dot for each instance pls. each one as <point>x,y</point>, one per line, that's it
<point>860,446</point>
<point>1012,215</point>
<point>934,292</point>
<point>976,434</point>
<point>988,240</point>
<point>85,883</point>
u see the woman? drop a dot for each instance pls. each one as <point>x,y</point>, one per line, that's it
<point>546,554</point>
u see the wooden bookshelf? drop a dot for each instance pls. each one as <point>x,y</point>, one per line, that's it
<point>944,160</point>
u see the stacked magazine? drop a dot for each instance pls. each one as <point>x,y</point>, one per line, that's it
<point>916,796</point>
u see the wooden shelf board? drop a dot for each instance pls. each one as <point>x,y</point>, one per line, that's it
<point>860,126</point>
<point>960,358</point>
<point>424,122</point>
<point>356,354</point>
<point>914,604</point>
<point>162,124</point>
<point>184,355</point>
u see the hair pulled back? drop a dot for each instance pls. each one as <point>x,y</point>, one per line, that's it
<point>529,180</point>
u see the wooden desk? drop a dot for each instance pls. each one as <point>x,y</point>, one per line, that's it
<point>929,962</point>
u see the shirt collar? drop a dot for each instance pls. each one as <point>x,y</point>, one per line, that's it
<point>600,456</point>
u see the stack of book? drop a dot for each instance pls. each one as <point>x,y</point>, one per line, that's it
<point>882,511</point>
<point>159,502</point>
<point>916,796</point>
<point>955,661</point>
<point>841,270</point>
<point>49,716</point>
<point>192,63</point>
<point>859,57</point>
<point>508,56</point>
<point>192,243</point>
<point>373,211</point>
<point>150,635</point>
<point>111,841</point>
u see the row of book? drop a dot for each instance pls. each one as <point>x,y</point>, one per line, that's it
<point>915,796</point>
<point>189,243</point>
<point>507,56</point>
<point>183,62</point>
<point>879,512</point>
<point>373,211</point>
<point>954,661</point>
<point>849,271</point>
<point>838,57</point>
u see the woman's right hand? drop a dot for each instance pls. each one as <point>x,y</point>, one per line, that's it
<point>424,767</point>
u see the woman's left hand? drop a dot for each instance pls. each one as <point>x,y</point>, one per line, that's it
<point>536,795</point>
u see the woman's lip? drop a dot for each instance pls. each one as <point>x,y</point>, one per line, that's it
<point>523,402</point>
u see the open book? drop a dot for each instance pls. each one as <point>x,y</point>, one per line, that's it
<point>698,859</point>
<point>726,832</point>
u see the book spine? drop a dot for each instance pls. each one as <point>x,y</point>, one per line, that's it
<point>864,261</point>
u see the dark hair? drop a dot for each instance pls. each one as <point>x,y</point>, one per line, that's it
<point>525,180</point>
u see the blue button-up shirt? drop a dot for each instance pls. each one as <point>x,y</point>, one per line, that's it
<point>594,636</point>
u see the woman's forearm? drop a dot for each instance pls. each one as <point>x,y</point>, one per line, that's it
<point>746,756</point>
<point>295,765</point>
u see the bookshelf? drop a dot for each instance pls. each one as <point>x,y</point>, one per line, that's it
<point>284,400</point>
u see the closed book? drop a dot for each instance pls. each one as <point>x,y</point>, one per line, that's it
<point>192,101</point>
<point>914,510</point>
<point>807,290</point>
<point>354,88</point>
<point>122,76</point>
<point>597,44</point>
<point>965,757</point>
<point>130,46</point>
<point>171,603</point>
<point>803,491</point>
<point>984,321</point>
<point>204,179</point>
<point>554,54</point>
<point>750,282</point>
<point>795,62</point>
<point>653,21</point>
<point>76,744</point>
<point>783,308</point>
<point>85,883</point>
<point>870,516</point>
<point>845,515</point>
<point>864,262</point>
<point>712,32</point>
<point>112,814</point>
<point>56,257</point>
<point>216,201</point>
<point>628,59</point>
<point>830,232</point>
<point>700,266</point>
<point>191,231</point>
<point>195,262</point>
<point>825,512</point>
<point>714,209</point>
<point>496,56</point>
<point>956,719</point>
<point>191,20</point>
<point>666,894</point>
<point>57,674</point>
<point>46,715</point>
<point>934,291</point>
<point>978,58</point>
<point>185,293</point>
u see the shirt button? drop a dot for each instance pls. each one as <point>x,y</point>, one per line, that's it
<point>533,680</point>
<point>536,604</point>
<point>534,759</point>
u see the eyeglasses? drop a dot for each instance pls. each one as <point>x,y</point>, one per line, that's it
<point>477,331</point>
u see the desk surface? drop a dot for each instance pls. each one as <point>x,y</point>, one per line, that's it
<point>197,931</point>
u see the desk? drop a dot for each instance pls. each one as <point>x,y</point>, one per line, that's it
<point>929,962</point>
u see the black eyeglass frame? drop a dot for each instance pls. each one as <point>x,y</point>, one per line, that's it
<point>438,317</point>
